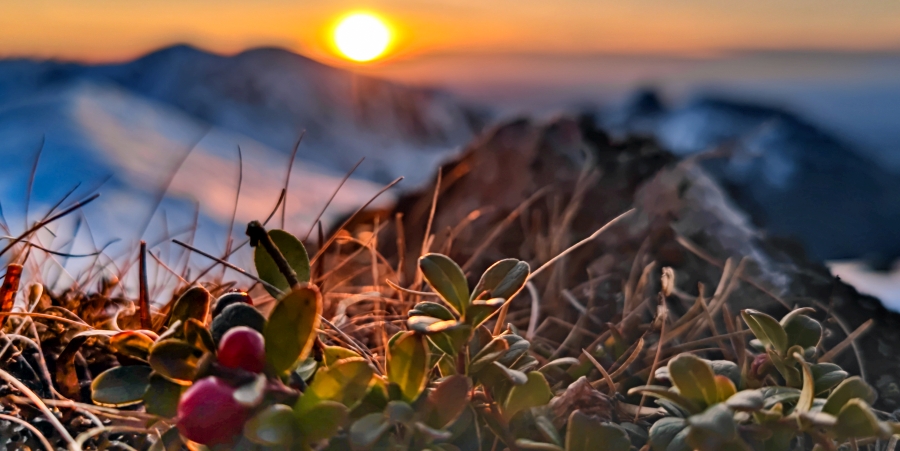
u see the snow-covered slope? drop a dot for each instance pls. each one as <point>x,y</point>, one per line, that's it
<point>95,133</point>
<point>273,96</point>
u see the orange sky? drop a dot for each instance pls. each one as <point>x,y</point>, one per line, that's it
<point>102,30</point>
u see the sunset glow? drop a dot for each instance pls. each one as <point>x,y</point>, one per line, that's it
<point>362,37</point>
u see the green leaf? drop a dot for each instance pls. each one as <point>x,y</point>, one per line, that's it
<point>121,386</point>
<point>493,351</point>
<point>515,377</point>
<point>856,420</point>
<point>345,382</point>
<point>295,254</point>
<point>430,325</point>
<point>447,280</point>
<point>694,379</point>
<point>290,332</point>
<point>852,388</point>
<point>407,364</point>
<point>712,429</point>
<point>176,360</point>
<point>502,280</point>
<point>479,311</point>
<point>587,434</point>
<point>198,335</point>
<point>664,431</point>
<point>162,396</point>
<point>523,443</point>
<point>728,369</point>
<point>536,392</point>
<point>272,426</point>
<point>807,391</point>
<point>132,344</point>
<point>193,303</point>
<point>432,309</point>
<point>673,396</point>
<point>448,400</point>
<point>803,331</point>
<point>827,376</point>
<point>724,388</point>
<point>450,341</point>
<point>368,429</point>
<point>766,329</point>
<point>399,412</point>
<point>322,421</point>
<point>746,400</point>
<point>332,354</point>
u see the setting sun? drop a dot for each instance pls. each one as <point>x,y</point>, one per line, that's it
<point>362,37</point>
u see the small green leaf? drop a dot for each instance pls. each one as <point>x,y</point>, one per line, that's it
<point>345,382</point>
<point>322,421</point>
<point>162,396</point>
<point>399,412</point>
<point>176,360</point>
<point>766,329</point>
<point>852,388</point>
<point>856,420</point>
<point>807,391</point>
<point>665,393</point>
<point>827,376</point>
<point>290,332</point>
<point>502,280</point>
<point>694,379</point>
<point>121,386</point>
<point>493,351</point>
<point>712,429</point>
<point>193,303</point>
<point>272,426</point>
<point>448,400</point>
<point>198,335</point>
<point>332,354</point>
<point>587,434</point>
<point>524,443</point>
<point>480,311</point>
<point>664,431</point>
<point>803,331</point>
<point>430,325</point>
<point>451,340</point>
<point>407,364</point>
<point>368,429</point>
<point>514,377</point>
<point>746,400</point>
<point>132,344</point>
<point>295,254</point>
<point>432,309</point>
<point>447,280</point>
<point>535,392</point>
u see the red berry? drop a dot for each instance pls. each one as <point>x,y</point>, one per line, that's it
<point>243,347</point>
<point>208,413</point>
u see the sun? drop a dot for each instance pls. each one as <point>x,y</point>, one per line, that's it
<point>362,37</point>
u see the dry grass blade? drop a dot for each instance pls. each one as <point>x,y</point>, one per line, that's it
<point>330,199</point>
<point>833,352</point>
<point>611,384</point>
<point>36,400</point>
<point>580,243</point>
<point>34,431</point>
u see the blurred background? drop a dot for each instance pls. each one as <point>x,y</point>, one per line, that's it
<point>184,114</point>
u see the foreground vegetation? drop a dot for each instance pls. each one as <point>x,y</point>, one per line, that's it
<point>455,375</point>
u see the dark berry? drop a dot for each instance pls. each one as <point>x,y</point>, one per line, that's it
<point>234,315</point>
<point>227,299</point>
